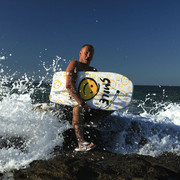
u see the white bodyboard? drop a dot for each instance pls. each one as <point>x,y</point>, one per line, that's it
<point>100,90</point>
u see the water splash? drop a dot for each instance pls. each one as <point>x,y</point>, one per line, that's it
<point>154,130</point>
<point>25,134</point>
<point>148,126</point>
<point>36,133</point>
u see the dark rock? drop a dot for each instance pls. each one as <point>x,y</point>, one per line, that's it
<point>103,165</point>
<point>90,135</point>
<point>16,142</point>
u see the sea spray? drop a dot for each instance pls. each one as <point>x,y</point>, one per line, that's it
<point>39,132</point>
<point>153,130</point>
<point>149,126</point>
<point>25,134</point>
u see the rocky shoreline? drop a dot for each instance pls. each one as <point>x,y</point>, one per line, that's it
<point>99,164</point>
<point>102,165</point>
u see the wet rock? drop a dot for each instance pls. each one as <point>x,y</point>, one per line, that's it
<point>103,165</point>
<point>16,142</point>
<point>99,164</point>
<point>90,135</point>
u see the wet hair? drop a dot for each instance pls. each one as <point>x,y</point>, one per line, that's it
<point>90,46</point>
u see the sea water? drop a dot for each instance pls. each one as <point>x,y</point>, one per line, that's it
<point>26,134</point>
<point>149,126</point>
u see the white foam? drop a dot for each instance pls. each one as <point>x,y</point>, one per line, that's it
<point>172,114</point>
<point>41,132</point>
<point>36,133</point>
<point>161,132</point>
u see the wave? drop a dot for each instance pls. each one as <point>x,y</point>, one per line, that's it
<point>149,126</point>
<point>145,134</point>
<point>25,134</point>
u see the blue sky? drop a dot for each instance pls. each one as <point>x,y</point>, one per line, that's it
<point>137,38</point>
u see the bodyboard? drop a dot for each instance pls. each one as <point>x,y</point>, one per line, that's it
<point>100,90</point>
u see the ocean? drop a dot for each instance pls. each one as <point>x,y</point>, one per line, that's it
<point>150,125</point>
